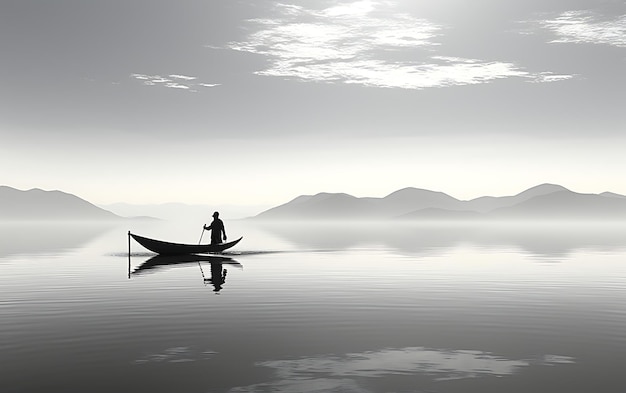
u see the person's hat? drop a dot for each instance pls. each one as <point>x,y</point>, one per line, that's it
<point>216,214</point>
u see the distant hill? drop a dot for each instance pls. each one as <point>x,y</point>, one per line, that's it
<point>414,199</point>
<point>343,206</point>
<point>542,202</point>
<point>323,206</point>
<point>489,203</point>
<point>36,204</point>
<point>612,195</point>
<point>563,205</point>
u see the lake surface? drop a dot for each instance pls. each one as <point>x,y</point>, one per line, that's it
<point>315,308</point>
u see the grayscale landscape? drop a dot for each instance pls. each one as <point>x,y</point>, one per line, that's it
<point>355,196</point>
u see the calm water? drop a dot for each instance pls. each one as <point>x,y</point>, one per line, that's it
<point>315,308</point>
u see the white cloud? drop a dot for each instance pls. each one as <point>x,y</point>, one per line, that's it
<point>349,9</point>
<point>150,80</point>
<point>338,373</point>
<point>401,75</point>
<point>544,77</point>
<point>581,27</point>
<point>184,77</point>
<point>176,86</point>
<point>350,43</point>
<point>454,59</point>
<point>173,81</point>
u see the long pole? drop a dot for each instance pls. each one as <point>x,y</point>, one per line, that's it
<point>129,255</point>
<point>202,272</point>
<point>202,234</point>
<point>199,264</point>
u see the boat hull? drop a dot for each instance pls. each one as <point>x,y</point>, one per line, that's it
<point>167,248</point>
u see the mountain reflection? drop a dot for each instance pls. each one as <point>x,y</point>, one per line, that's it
<point>27,238</point>
<point>542,239</point>
<point>341,373</point>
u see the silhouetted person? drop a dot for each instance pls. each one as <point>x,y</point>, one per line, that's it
<point>218,277</point>
<point>217,229</point>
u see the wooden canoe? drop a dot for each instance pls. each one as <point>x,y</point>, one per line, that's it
<point>167,248</point>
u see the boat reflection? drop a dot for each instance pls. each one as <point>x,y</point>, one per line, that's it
<point>163,262</point>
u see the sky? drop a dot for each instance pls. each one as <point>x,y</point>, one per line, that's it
<point>256,102</point>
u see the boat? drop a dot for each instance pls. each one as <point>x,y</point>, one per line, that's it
<point>167,248</point>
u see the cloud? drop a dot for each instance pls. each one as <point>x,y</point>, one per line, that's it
<point>338,373</point>
<point>355,42</point>
<point>176,86</point>
<point>173,81</point>
<point>184,77</point>
<point>586,27</point>
<point>545,77</point>
<point>380,73</point>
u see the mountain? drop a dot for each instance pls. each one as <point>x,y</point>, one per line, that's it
<point>566,205</point>
<point>542,202</point>
<point>489,203</point>
<point>612,195</point>
<point>413,199</point>
<point>322,206</point>
<point>36,204</point>
<point>342,206</point>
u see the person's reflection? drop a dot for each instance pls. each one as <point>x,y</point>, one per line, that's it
<point>218,276</point>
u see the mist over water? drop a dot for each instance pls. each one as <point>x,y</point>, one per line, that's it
<point>309,307</point>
